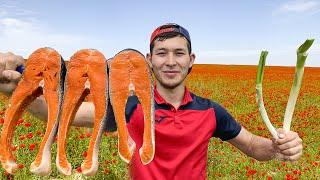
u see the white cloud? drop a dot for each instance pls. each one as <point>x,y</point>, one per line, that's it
<point>12,25</point>
<point>10,8</point>
<point>299,6</point>
<point>276,57</point>
<point>23,37</point>
<point>3,12</point>
<point>22,33</point>
<point>228,53</point>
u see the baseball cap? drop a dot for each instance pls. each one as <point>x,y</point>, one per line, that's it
<point>168,28</point>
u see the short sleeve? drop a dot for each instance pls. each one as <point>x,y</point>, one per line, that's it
<point>110,122</point>
<point>226,126</point>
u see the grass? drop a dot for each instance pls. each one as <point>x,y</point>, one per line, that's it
<point>231,86</point>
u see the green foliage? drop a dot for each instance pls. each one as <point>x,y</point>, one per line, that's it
<point>234,88</point>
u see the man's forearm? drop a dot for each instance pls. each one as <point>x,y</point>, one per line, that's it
<point>254,146</point>
<point>39,108</point>
<point>84,116</point>
<point>261,148</point>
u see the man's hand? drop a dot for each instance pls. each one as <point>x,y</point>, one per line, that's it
<point>9,77</point>
<point>288,146</point>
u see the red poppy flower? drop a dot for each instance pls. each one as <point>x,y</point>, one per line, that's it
<point>298,172</point>
<point>1,120</point>
<point>251,172</point>
<point>27,124</point>
<point>32,146</point>
<point>81,136</point>
<point>88,134</point>
<point>30,135</point>
<point>78,169</point>
<point>22,137</point>
<point>22,146</point>
<point>84,154</point>
<point>20,121</point>
<point>315,163</point>
<point>106,171</point>
<point>106,162</point>
<point>290,177</point>
<point>20,166</point>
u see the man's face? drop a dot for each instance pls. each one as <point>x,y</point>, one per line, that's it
<point>170,61</point>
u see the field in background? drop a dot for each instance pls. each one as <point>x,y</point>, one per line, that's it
<point>231,86</point>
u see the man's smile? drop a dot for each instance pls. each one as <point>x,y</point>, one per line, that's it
<point>171,73</point>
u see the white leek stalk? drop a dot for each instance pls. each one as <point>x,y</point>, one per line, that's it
<point>259,96</point>
<point>301,58</point>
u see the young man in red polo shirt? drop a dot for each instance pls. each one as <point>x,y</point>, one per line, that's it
<point>184,122</point>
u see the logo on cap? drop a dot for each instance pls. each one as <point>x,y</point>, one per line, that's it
<point>170,27</point>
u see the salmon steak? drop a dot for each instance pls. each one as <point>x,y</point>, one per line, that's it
<point>43,75</point>
<point>129,75</point>
<point>86,74</point>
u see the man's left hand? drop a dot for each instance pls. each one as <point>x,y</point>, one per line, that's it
<point>288,146</point>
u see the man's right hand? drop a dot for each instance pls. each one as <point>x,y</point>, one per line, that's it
<point>9,77</point>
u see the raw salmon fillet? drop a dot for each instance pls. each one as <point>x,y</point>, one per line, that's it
<point>44,74</point>
<point>129,74</point>
<point>86,74</point>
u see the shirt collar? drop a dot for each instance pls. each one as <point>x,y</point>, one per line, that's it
<point>186,98</point>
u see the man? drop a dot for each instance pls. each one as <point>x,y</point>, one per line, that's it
<point>184,122</point>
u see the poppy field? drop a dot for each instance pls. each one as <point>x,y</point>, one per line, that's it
<point>233,86</point>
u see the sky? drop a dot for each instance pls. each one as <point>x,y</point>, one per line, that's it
<point>222,32</point>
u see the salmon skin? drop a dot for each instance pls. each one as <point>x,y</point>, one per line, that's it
<point>44,74</point>
<point>86,74</point>
<point>129,75</point>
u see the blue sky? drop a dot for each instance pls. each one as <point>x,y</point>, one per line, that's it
<point>222,32</point>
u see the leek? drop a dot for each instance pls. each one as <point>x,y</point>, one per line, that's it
<point>301,58</point>
<point>259,96</point>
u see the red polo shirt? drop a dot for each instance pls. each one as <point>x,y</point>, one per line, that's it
<point>181,136</point>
